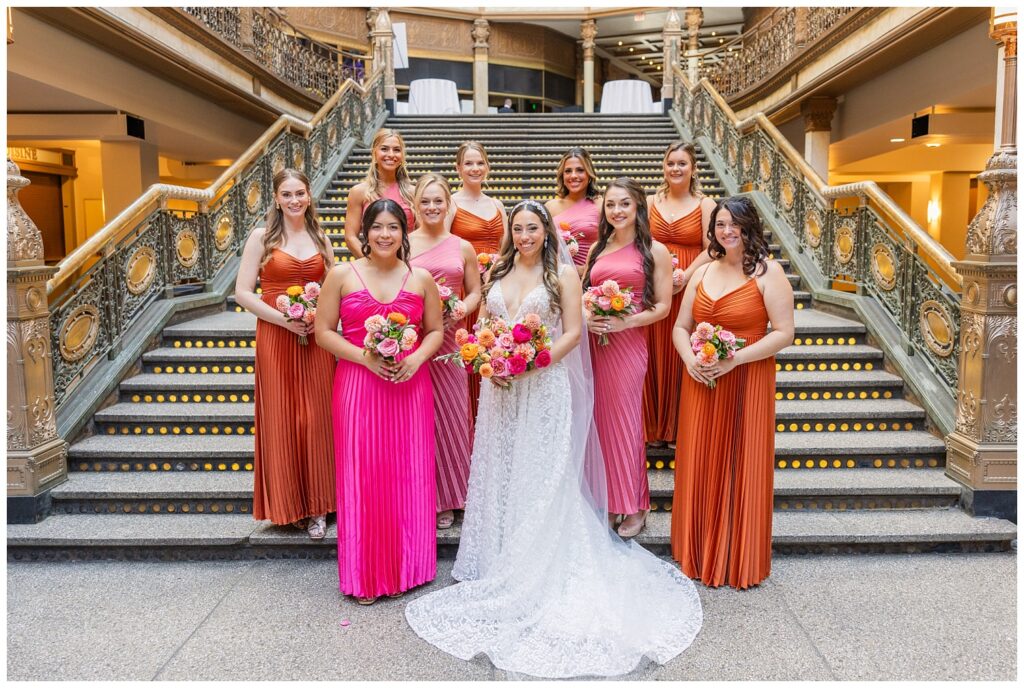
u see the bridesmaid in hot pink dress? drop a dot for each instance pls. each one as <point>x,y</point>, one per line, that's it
<point>625,252</point>
<point>577,207</point>
<point>383,415</point>
<point>452,259</point>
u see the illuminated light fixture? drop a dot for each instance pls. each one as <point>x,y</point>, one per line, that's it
<point>897,140</point>
<point>712,34</point>
<point>620,42</point>
<point>721,40</point>
<point>630,50</point>
<point>933,145</point>
<point>933,211</point>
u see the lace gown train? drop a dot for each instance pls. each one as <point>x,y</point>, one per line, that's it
<point>547,589</point>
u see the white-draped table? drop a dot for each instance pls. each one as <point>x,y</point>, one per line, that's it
<point>433,97</point>
<point>627,95</point>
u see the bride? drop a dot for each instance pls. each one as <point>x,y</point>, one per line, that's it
<point>547,589</point>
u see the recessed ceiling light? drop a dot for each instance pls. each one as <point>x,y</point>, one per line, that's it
<point>897,140</point>
<point>712,33</point>
<point>630,50</point>
<point>933,145</point>
<point>721,40</point>
<point>620,42</point>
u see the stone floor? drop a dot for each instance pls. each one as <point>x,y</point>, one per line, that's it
<point>871,617</point>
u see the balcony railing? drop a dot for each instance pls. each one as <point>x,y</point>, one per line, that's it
<point>281,48</point>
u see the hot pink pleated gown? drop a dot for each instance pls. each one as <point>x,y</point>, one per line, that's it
<point>384,454</point>
<point>453,433</point>
<point>582,220</point>
<point>619,370</point>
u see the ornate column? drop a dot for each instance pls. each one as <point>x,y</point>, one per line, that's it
<point>982,450</point>
<point>694,18</point>
<point>588,32</point>
<point>801,26</point>
<point>36,456</point>
<point>481,32</point>
<point>245,26</point>
<point>671,39</point>
<point>817,112</point>
<point>382,39</point>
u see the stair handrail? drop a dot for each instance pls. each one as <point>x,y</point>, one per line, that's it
<point>148,251</point>
<point>875,248</point>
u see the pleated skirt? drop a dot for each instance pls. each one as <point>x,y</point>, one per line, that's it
<point>293,464</point>
<point>619,370</point>
<point>722,503</point>
<point>453,428</point>
<point>384,450</point>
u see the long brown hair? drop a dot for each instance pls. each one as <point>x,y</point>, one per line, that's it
<point>374,184</point>
<point>755,247</point>
<point>385,205</point>
<point>642,241</point>
<point>273,237</point>
<point>561,190</point>
<point>549,258</point>
<point>691,152</point>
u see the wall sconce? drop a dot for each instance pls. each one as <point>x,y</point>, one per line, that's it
<point>933,211</point>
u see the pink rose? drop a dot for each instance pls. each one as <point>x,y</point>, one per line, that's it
<point>459,310</point>
<point>677,277</point>
<point>283,302</point>
<point>498,364</point>
<point>521,333</point>
<point>609,288</point>
<point>588,298</point>
<point>526,351</point>
<point>704,331</point>
<point>543,359</point>
<point>388,348</point>
<point>506,341</point>
<point>727,337</point>
<point>517,365</point>
<point>627,298</point>
<point>296,311</point>
<point>312,290</point>
<point>604,302</point>
<point>445,292</point>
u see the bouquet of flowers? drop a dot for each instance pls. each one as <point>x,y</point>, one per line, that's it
<point>496,349</point>
<point>486,261</point>
<point>711,343</point>
<point>451,304</point>
<point>609,300</point>
<point>299,304</point>
<point>677,273</point>
<point>571,240</point>
<point>389,336</point>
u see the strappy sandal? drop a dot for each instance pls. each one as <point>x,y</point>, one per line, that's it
<point>397,594</point>
<point>317,528</point>
<point>366,601</point>
<point>635,530</point>
<point>445,519</point>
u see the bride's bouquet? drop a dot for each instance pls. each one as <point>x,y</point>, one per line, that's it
<point>496,349</point>
<point>387,337</point>
<point>451,305</point>
<point>609,300</point>
<point>299,304</point>
<point>712,343</point>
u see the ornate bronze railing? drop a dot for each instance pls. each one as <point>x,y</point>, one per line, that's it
<point>763,54</point>
<point>281,47</point>
<point>873,248</point>
<point>148,251</point>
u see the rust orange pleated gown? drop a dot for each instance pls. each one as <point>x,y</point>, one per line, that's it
<point>684,240</point>
<point>722,503</point>
<point>485,235</point>
<point>294,463</point>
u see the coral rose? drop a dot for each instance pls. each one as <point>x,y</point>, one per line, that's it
<point>486,338</point>
<point>375,323</point>
<point>543,359</point>
<point>532,320</point>
<point>526,351</point>
<point>609,288</point>
<point>459,310</point>
<point>282,303</point>
<point>409,338</point>
<point>461,336</point>
<point>704,331</point>
<point>486,370</point>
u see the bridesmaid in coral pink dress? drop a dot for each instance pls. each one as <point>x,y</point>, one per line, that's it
<point>577,206</point>
<point>387,177</point>
<point>383,415</point>
<point>448,258</point>
<point>625,252</point>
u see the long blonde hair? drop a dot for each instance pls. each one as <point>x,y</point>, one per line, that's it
<point>374,184</point>
<point>466,146</point>
<point>425,180</point>
<point>691,151</point>
<point>273,237</point>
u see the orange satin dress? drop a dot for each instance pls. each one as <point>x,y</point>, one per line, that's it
<point>485,235</point>
<point>293,466</point>
<point>684,239</point>
<point>722,502</point>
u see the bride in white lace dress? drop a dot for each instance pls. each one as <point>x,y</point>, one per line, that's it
<point>547,588</point>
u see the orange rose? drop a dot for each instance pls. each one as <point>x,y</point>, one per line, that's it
<point>397,318</point>
<point>486,370</point>
<point>709,350</point>
<point>469,351</point>
<point>618,303</point>
<point>486,338</point>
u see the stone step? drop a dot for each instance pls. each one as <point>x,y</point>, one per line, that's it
<point>196,492</point>
<point>238,536</point>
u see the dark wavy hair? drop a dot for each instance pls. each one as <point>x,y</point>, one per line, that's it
<point>643,240</point>
<point>561,190</point>
<point>755,247</point>
<point>549,258</point>
<point>385,205</point>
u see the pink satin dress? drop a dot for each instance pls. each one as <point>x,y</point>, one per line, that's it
<point>582,220</point>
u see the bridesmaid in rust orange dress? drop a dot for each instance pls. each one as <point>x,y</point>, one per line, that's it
<point>293,480</point>
<point>722,502</point>
<point>679,218</point>
<point>479,219</point>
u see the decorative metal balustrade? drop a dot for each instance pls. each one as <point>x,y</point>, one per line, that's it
<point>763,53</point>
<point>149,252</point>
<point>282,48</point>
<point>873,248</point>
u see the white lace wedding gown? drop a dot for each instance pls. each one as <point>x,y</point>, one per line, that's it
<point>548,589</point>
